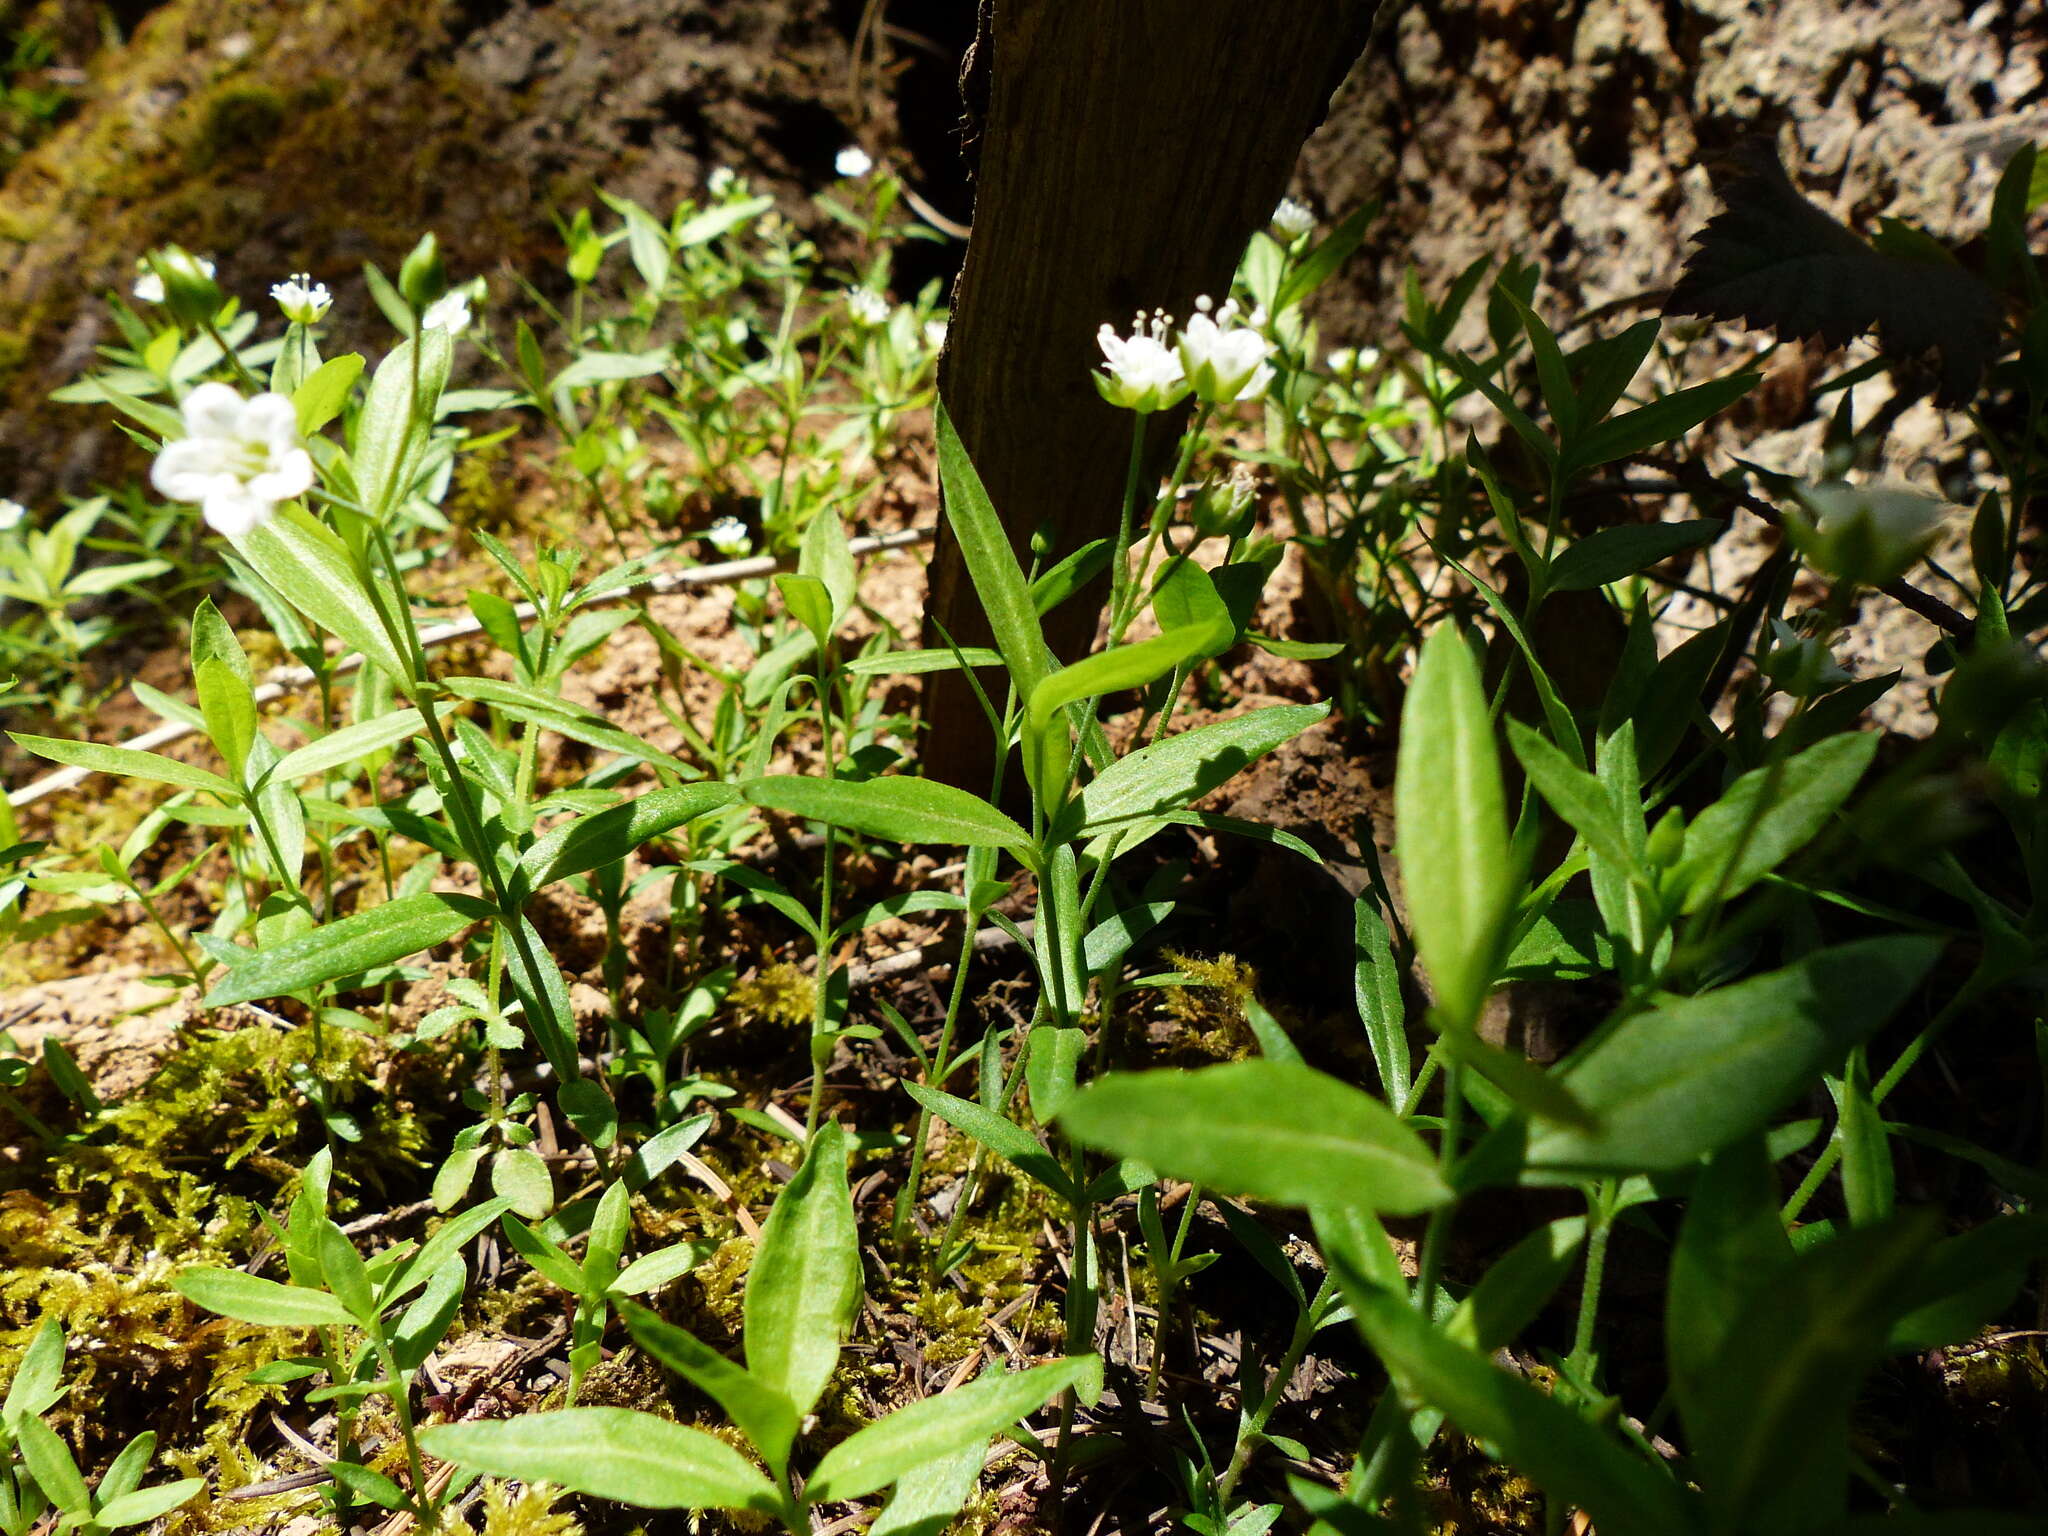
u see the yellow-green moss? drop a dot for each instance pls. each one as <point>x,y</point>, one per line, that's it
<point>781,993</point>
<point>1210,1010</point>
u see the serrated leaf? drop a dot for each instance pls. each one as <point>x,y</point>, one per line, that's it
<point>1772,260</point>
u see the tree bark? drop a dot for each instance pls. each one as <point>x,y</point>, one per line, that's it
<point>1129,149</point>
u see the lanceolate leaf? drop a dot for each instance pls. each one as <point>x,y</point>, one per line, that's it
<point>252,1299</point>
<point>934,1429</point>
<point>609,1453</point>
<point>1002,1136</point>
<point>347,745</point>
<point>1178,771</point>
<point>379,936</point>
<point>1768,815</point>
<point>991,563</point>
<point>766,1415</point>
<point>805,1282</point>
<point>1270,1129</point>
<point>398,415</point>
<point>127,762</point>
<point>903,810</point>
<point>1555,1445</point>
<point>1451,821</point>
<point>310,568</point>
<point>1672,1085</point>
<point>592,841</point>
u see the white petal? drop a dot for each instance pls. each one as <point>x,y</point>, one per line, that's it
<point>187,469</point>
<point>290,476</point>
<point>233,512</point>
<point>269,418</point>
<point>212,410</point>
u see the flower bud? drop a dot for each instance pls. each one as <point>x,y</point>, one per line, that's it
<point>189,291</point>
<point>1801,665</point>
<point>1869,534</point>
<point>424,277</point>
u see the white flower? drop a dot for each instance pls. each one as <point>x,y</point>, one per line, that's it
<point>935,334</point>
<point>303,301</point>
<point>1224,360</point>
<point>11,514</point>
<point>729,537</point>
<point>238,459</point>
<point>868,306</point>
<point>721,181</point>
<point>1292,219</point>
<point>1144,373</point>
<point>448,313</point>
<point>852,161</point>
<point>149,283</point>
<point>737,331</point>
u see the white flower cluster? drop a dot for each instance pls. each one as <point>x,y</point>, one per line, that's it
<point>237,460</point>
<point>867,306</point>
<point>1219,356</point>
<point>852,161</point>
<point>303,301</point>
<point>729,537</point>
<point>1291,220</point>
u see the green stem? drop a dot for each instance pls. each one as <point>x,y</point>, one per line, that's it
<point>1600,1222</point>
<point>1436,1235</point>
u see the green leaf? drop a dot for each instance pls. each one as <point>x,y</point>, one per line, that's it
<point>1376,987</point>
<point>398,415</point>
<point>1768,815</point>
<point>1731,1248</point>
<point>1661,421</point>
<point>805,1283</point>
<point>1269,1129</point>
<point>227,697</point>
<point>991,563</point>
<point>543,1253</point>
<point>126,762</point>
<point>252,1299</point>
<point>606,367</point>
<point>609,1453</point>
<point>533,706</point>
<point>1577,796</point>
<point>764,1415</point>
<point>322,394</point>
<point>303,560</point>
<point>447,1243</point>
<point>703,228</point>
<point>1181,769</point>
<point>1615,553</point>
<point>938,1427</point>
<point>50,1463</point>
<point>903,810</point>
<point>928,1498</point>
<point>590,842</point>
<point>1674,1084</point>
<point>1319,265</point>
<point>1047,741</point>
<point>1768,1423</point>
<point>808,603</point>
<point>380,936</point>
<point>912,663</point>
<point>1451,827</point>
<point>147,1504</point>
<point>1540,1437</point>
<point>350,744</point>
<point>1004,1137</point>
<point>825,557</point>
